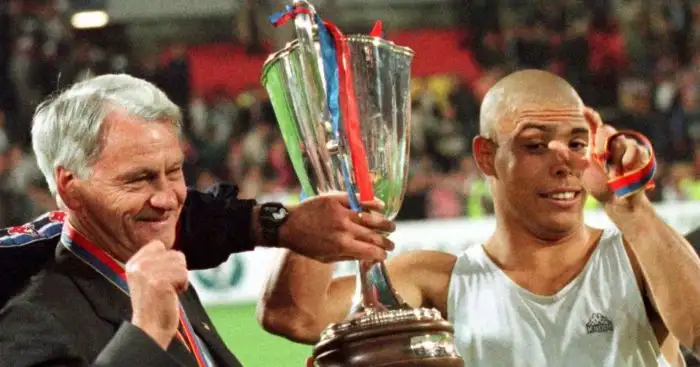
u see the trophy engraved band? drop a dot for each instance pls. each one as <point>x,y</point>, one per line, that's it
<point>343,107</point>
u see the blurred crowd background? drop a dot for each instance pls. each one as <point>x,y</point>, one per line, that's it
<point>636,61</point>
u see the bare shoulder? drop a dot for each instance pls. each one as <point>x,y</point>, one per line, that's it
<point>435,262</point>
<point>423,277</point>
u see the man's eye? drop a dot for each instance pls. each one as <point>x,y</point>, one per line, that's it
<point>578,145</point>
<point>175,169</point>
<point>141,179</point>
<point>175,173</point>
<point>536,147</point>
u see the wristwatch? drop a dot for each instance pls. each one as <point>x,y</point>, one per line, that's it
<point>272,216</point>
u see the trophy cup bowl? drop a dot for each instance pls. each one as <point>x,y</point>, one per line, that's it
<point>381,329</point>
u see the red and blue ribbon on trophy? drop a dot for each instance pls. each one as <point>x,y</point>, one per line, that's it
<point>336,59</point>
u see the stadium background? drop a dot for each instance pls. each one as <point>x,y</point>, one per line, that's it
<point>637,61</point>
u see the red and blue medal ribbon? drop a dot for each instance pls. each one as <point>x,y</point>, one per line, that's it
<point>193,342</point>
<point>337,66</point>
<point>111,270</point>
<point>94,256</point>
<point>634,181</point>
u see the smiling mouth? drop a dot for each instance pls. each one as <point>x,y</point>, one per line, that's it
<point>562,195</point>
<point>154,220</point>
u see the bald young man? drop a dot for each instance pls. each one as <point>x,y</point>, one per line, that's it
<point>545,289</point>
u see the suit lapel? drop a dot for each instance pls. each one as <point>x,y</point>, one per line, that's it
<point>204,328</point>
<point>109,303</point>
<point>178,350</point>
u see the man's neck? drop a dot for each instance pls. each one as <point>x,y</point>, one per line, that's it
<point>98,238</point>
<point>515,248</point>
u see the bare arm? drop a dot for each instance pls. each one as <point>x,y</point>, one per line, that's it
<point>666,264</point>
<point>669,266</point>
<point>301,299</point>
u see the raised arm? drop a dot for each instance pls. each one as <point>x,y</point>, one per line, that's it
<point>669,266</point>
<point>301,298</point>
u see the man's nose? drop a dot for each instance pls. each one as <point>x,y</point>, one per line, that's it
<point>567,161</point>
<point>165,196</point>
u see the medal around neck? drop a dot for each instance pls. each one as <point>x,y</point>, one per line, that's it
<point>343,106</point>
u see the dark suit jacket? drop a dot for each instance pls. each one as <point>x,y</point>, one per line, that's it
<point>70,315</point>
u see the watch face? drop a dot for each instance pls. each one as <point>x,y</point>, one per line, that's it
<point>275,213</point>
<point>280,214</point>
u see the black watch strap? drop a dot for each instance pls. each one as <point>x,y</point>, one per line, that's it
<point>272,216</point>
<point>271,236</point>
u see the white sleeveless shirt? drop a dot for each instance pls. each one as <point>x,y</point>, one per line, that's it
<point>598,319</point>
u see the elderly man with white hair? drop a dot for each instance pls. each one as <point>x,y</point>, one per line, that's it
<point>116,293</point>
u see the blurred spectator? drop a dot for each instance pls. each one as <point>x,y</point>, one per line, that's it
<point>255,145</point>
<point>175,80</point>
<point>420,181</point>
<point>147,67</point>
<point>573,53</point>
<point>446,139</point>
<point>4,141</point>
<point>19,174</point>
<point>491,50</point>
<point>532,49</point>
<point>636,109</point>
<point>607,58</point>
<point>678,16</point>
<point>684,113</point>
<point>220,118</point>
<point>279,166</point>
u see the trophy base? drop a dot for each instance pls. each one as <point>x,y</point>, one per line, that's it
<point>394,339</point>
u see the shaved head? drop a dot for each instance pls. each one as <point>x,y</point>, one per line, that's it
<point>526,91</point>
<point>533,145</point>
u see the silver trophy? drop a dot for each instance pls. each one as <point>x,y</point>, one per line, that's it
<point>381,329</point>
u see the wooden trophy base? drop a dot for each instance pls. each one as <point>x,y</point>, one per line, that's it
<point>391,339</point>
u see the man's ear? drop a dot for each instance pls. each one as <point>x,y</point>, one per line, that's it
<point>485,155</point>
<point>67,187</point>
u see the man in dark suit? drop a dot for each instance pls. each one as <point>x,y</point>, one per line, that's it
<point>116,293</point>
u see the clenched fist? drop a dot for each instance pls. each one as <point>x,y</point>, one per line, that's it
<point>156,275</point>
<point>626,155</point>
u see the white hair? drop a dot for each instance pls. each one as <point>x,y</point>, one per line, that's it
<point>66,128</point>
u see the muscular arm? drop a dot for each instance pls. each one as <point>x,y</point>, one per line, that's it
<point>301,298</point>
<point>669,267</point>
